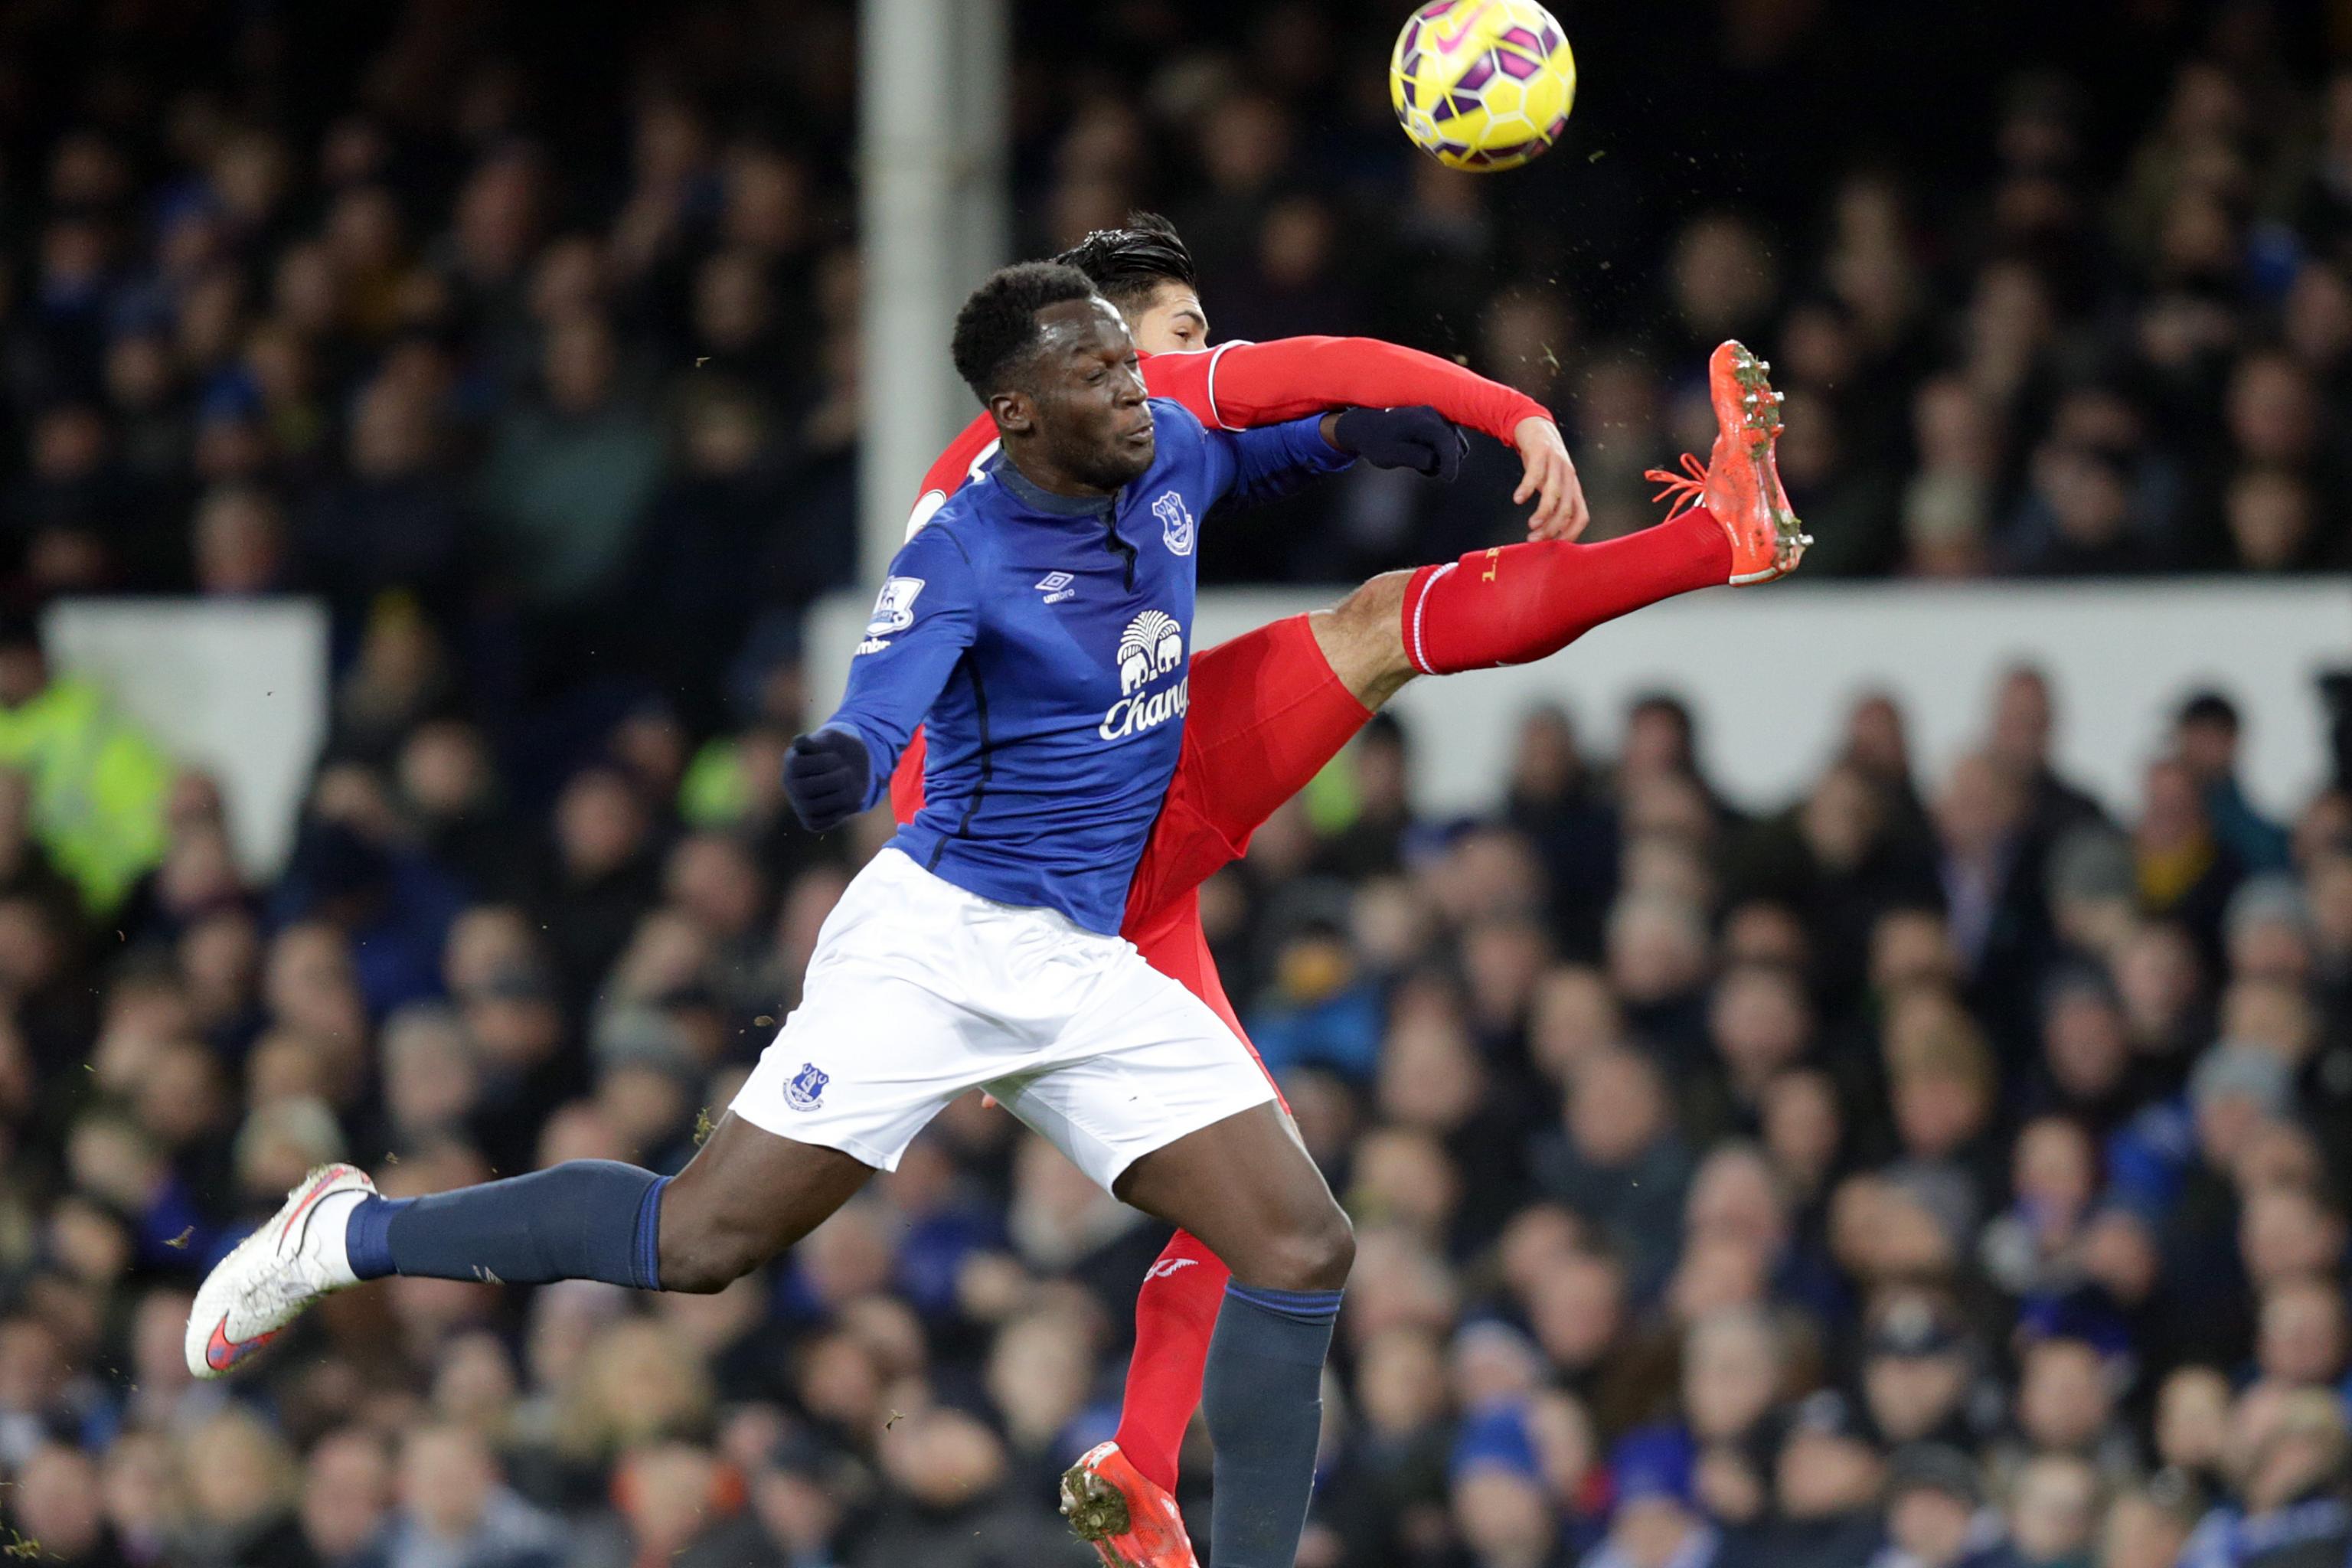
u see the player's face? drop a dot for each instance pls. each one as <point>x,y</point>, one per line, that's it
<point>1172,324</point>
<point>1091,421</point>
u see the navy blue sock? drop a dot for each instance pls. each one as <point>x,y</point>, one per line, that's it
<point>587,1219</point>
<point>1263,1396</point>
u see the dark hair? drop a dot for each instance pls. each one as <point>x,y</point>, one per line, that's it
<point>1667,703</point>
<point>1128,264</point>
<point>997,328</point>
<point>2210,707</point>
<point>19,629</point>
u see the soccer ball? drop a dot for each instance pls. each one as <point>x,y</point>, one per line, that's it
<point>1482,84</point>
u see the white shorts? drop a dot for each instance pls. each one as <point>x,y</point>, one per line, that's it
<point>919,992</point>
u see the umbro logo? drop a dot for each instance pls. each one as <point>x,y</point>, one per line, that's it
<point>1057,586</point>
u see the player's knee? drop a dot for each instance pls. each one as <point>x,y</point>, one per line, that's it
<point>702,1253</point>
<point>1375,609</point>
<point>704,1264</point>
<point>1362,637</point>
<point>1315,1253</point>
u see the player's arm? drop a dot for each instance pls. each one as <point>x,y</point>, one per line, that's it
<point>1244,385</point>
<point>949,472</point>
<point>922,624</point>
<point>1272,460</point>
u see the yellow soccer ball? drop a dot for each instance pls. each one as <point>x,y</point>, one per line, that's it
<point>1482,84</point>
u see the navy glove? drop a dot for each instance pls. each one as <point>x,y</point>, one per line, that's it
<point>826,774</point>
<point>1418,438</point>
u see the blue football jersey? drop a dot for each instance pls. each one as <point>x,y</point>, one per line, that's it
<point>1046,641</point>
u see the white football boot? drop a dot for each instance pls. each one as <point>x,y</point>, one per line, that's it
<point>250,1297</point>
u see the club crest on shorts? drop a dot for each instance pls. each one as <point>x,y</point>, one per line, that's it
<point>1175,523</point>
<point>807,1091</point>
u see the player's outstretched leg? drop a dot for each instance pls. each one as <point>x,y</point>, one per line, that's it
<point>1518,603</point>
<point>744,1198</point>
<point>1245,1187</point>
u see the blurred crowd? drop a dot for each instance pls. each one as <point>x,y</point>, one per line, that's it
<point>1937,1173</point>
<point>551,334</point>
<point>2052,291</point>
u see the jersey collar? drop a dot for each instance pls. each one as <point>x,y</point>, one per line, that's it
<point>1044,500</point>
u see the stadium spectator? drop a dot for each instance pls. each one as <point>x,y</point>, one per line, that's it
<point>453,1509</point>
<point>98,780</point>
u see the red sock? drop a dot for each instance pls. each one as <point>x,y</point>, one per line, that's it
<point>1518,603</point>
<point>1175,1315</point>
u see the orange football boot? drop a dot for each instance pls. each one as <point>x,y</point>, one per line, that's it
<point>1740,481</point>
<point>1130,1522</point>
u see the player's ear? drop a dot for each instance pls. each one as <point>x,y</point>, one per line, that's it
<point>1014,412</point>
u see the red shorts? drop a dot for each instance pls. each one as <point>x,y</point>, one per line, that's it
<point>1266,712</point>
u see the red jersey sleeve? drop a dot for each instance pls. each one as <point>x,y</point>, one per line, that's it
<point>951,469</point>
<point>1185,377</point>
<point>1239,386</point>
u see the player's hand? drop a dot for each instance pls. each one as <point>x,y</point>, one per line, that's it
<point>825,775</point>
<point>1418,438</point>
<point>1561,512</point>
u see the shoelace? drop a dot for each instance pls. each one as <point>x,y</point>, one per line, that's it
<point>1687,487</point>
